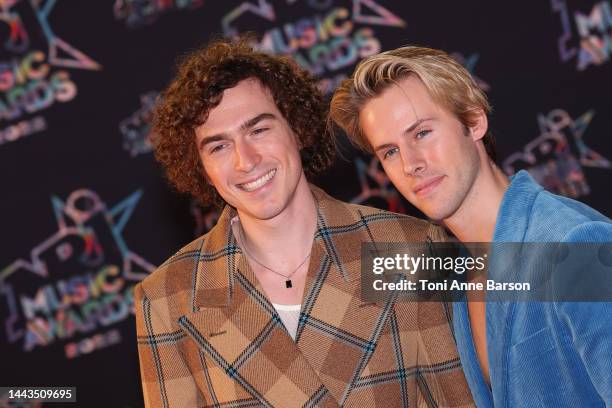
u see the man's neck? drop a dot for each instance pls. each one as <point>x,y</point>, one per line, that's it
<point>288,235</point>
<point>475,219</point>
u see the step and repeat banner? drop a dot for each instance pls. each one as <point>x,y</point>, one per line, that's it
<point>85,213</point>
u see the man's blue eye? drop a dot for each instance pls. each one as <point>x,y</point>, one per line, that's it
<point>422,134</point>
<point>390,153</point>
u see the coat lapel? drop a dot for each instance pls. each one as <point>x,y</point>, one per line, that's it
<point>338,332</point>
<point>511,226</point>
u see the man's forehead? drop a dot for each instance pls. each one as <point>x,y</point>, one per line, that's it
<point>252,86</point>
<point>411,90</point>
<point>408,98</point>
<point>248,99</point>
<point>393,103</point>
<point>244,93</point>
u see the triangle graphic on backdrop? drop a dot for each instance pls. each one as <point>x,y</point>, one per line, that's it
<point>262,9</point>
<point>60,52</point>
<point>588,156</point>
<point>63,54</point>
<point>378,15</point>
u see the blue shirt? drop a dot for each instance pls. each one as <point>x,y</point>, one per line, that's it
<point>542,354</point>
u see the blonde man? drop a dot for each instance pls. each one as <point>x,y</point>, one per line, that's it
<point>425,118</point>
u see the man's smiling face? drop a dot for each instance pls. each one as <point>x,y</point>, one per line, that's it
<point>249,152</point>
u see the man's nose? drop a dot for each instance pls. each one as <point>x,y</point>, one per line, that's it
<point>413,162</point>
<point>247,156</point>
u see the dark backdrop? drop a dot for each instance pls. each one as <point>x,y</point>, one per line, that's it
<point>85,213</point>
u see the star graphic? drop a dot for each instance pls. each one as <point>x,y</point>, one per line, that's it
<point>60,53</point>
<point>588,157</point>
<point>557,156</point>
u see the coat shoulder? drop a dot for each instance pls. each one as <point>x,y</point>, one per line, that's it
<point>385,225</point>
<point>556,218</point>
<point>175,274</point>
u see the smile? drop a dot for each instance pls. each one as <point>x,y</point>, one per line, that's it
<point>255,184</point>
<point>428,186</point>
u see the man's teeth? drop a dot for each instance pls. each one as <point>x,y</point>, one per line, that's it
<point>253,185</point>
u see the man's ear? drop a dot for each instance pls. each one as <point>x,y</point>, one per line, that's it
<point>480,124</point>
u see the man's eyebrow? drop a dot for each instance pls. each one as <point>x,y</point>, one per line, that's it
<point>384,146</point>
<point>415,124</point>
<point>244,126</point>
<point>255,120</point>
<point>209,139</point>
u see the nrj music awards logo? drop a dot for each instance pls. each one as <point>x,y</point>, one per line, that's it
<point>557,156</point>
<point>77,284</point>
<point>34,67</point>
<point>586,34</point>
<point>333,38</point>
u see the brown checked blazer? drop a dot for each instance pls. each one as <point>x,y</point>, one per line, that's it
<point>208,336</point>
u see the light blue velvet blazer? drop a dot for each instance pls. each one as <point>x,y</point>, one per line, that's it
<point>542,354</point>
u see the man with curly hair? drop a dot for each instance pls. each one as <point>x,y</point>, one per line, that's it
<point>265,309</point>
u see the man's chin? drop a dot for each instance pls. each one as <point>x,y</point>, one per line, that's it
<point>435,214</point>
<point>263,213</point>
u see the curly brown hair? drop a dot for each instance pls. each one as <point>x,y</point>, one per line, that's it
<point>198,87</point>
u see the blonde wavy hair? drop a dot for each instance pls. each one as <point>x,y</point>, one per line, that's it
<point>448,82</point>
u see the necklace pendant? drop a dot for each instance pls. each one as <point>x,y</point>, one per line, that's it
<point>288,283</point>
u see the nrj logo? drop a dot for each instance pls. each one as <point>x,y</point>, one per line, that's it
<point>78,282</point>
<point>556,157</point>
<point>33,66</point>
<point>333,38</point>
<point>586,35</point>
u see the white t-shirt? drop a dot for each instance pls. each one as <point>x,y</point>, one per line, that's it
<point>290,316</point>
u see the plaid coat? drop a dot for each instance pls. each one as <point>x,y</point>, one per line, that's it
<point>208,336</point>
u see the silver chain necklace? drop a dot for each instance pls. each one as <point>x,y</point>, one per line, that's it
<point>288,283</point>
